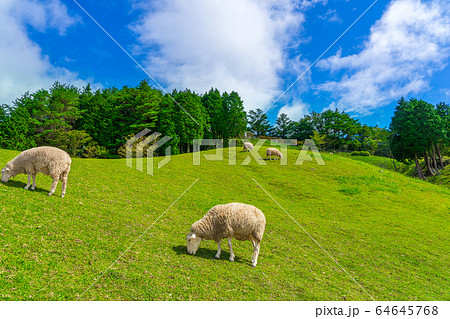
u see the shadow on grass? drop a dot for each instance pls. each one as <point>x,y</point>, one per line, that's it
<point>206,253</point>
<point>18,184</point>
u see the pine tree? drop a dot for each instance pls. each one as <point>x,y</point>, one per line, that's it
<point>302,129</point>
<point>283,128</point>
<point>235,118</point>
<point>258,122</point>
<point>212,102</point>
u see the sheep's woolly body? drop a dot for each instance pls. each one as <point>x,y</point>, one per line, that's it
<point>273,152</point>
<point>234,220</point>
<point>46,160</point>
<point>248,146</point>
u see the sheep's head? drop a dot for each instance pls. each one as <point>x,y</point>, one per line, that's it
<point>193,241</point>
<point>6,174</point>
<point>281,155</point>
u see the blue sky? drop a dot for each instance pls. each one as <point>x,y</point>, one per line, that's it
<point>257,48</point>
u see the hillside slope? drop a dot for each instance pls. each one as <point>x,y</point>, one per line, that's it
<point>443,178</point>
<point>389,232</point>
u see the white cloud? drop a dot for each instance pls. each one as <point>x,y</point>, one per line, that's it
<point>232,45</point>
<point>295,111</point>
<point>312,3</point>
<point>446,92</point>
<point>405,47</point>
<point>41,14</point>
<point>330,16</point>
<point>23,67</point>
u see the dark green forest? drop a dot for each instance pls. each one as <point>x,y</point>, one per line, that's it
<point>88,123</point>
<point>97,124</point>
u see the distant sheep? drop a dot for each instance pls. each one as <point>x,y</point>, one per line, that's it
<point>234,220</point>
<point>47,160</point>
<point>248,146</point>
<point>273,152</point>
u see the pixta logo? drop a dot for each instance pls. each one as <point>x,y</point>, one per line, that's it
<point>280,151</point>
<point>151,143</point>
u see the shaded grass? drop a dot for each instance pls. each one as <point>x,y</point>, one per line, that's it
<point>391,235</point>
<point>350,190</point>
<point>443,178</point>
<point>383,162</point>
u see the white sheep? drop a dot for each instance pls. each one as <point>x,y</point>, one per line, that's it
<point>248,146</point>
<point>47,160</point>
<point>234,220</point>
<point>273,152</point>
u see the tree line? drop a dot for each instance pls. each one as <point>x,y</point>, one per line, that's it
<point>97,123</point>
<point>331,130</point>
<point>418,130</point>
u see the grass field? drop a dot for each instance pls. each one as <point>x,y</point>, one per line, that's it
<point>389,232</point>
<point>382,162</point>
<point>443,178</point>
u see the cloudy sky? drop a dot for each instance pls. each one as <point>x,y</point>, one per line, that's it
<point>291,56</point>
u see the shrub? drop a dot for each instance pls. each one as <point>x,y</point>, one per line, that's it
<point>95,150</point>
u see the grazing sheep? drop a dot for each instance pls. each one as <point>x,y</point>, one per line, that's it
<point>273,152</point>
<point>248,146</point>
<point>47,160</point>
<point>241,221</point>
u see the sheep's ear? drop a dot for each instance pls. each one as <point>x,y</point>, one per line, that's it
<point>7,169</point>
<point>190,236</point>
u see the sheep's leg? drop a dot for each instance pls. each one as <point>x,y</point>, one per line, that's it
<point>29,181</point>
<point>231,249</point>
<point>53,187</point>
<point>64,185</point>
<point>254,245</point>
<point>218,251</point>
<point>255,253</point>
<point>34,182</point>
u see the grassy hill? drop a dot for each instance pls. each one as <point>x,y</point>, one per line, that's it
<point>443,178</point>
<point>388,231</point>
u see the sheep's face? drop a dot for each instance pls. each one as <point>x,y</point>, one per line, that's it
<point>6,174</point>
<point>193,241</point>
<point>281,156</point>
